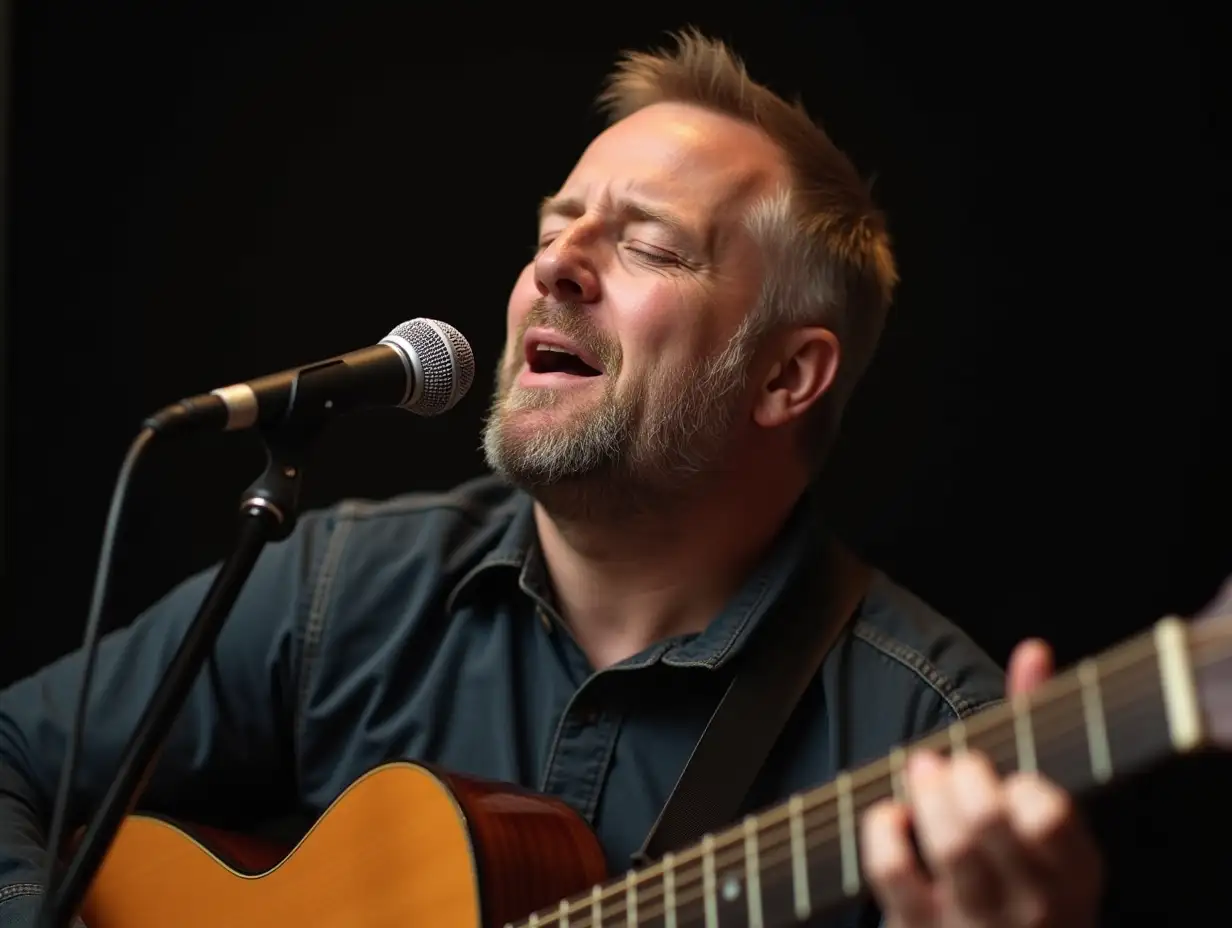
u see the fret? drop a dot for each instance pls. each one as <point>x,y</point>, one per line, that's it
<point>958,737</point>
<point>898,761</point>
<point>708,894</point>
<point>1180,696</point>
<point>1116,713</point>
<point>799,859</point>
<point>669,890</point>
<point>847,835</point>
<point>1093,715</point>
<point>533,921</point>
<point>631,899</point>
<point>752,871</point>
<point>1024,737</point>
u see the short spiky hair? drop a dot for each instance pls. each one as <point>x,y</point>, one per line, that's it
<point>828,254</point>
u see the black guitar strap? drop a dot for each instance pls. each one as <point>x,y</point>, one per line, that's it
<point>756,705</point>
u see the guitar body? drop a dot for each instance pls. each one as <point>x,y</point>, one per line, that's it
<point>403,846</point>
<point>406,845</point>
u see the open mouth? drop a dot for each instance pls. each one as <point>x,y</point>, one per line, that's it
<point>553,359</point>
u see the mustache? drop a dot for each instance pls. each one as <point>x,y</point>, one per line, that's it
<point>574,321</point>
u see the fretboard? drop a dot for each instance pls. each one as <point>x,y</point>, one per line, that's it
<point>1108,716</point>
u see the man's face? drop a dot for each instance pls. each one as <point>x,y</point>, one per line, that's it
<point>617,360</point>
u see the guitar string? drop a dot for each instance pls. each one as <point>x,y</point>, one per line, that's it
<point>1070,763</point>
<point>770,856</point>
<point>1214,653</point>
<point>814,803</point>
<point>1113,667</point>
<point>771,861</point>
<point>1118,700</point>
<point>826,839</point>
<point>820,833</point>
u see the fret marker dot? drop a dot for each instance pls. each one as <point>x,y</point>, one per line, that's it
<point>731,889</point>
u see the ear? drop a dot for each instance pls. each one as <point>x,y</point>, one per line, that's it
<point>802,369</point>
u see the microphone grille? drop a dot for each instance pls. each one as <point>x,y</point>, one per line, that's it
<point>444,359</point>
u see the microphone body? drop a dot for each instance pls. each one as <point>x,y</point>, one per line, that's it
<point>424,366</point>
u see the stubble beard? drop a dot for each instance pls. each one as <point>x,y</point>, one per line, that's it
<point>626,452</point>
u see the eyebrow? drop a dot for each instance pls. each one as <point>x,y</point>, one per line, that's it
<point>572,208</point>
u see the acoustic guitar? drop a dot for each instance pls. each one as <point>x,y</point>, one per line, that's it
<point>410,845</point>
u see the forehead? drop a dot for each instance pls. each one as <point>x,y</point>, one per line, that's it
<point>705,164</point>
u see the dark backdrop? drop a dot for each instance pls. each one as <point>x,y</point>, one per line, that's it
<point>205,192</point>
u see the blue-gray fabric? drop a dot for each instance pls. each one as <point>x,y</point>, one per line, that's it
<point>423,627</point>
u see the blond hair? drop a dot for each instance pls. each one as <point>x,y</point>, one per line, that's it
<point>828,255</point>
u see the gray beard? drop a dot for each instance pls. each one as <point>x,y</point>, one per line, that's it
<point>626,454</point>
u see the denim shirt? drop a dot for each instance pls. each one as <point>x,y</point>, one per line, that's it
<point>423,628</point>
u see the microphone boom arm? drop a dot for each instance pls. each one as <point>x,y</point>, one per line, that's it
<point>424,365</point>
<point>269,512</point>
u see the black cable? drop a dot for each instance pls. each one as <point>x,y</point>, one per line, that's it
<point>90,647</point>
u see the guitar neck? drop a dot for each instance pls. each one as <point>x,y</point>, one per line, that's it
<point>1109,716</point>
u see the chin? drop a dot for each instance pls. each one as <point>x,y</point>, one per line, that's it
<point>544,402</point>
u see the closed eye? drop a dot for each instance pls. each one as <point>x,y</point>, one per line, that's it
<point>653,256</point>
<point>661,258</point>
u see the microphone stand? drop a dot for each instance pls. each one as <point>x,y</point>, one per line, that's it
<point>268,513</point>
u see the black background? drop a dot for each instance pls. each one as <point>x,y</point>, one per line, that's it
<point>205,192</point>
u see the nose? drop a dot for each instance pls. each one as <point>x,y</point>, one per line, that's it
<point>564,271</point>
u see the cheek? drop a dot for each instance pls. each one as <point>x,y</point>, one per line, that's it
<point>665,322</point>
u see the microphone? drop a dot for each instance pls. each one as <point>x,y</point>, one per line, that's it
<point>424,366</point>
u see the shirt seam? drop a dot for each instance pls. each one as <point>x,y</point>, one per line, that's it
<point>358,509</point>
<point>592,804</point>
<point>917,663</point>
<point>314,624</point>
<point>18,890</point>
<point>546,776</point>
<point>554,749</point>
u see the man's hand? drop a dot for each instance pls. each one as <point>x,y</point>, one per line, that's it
<point>1010,853</point>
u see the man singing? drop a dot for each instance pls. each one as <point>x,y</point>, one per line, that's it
<point>709,283</point>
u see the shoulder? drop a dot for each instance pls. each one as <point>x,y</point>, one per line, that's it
<point>384,571</point>
<point>900,671</point>
<point>910,642</point>
<point>474,503</point>
<point>909,656</point>
<point>408,553</point>
<point>471,517</point>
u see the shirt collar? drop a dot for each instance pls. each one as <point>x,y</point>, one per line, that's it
<point>762,590</point>
<point>517,558</point>
<point>510,554</point>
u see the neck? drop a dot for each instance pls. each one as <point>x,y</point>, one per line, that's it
<point>626,580</point>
